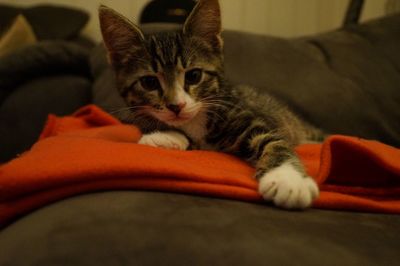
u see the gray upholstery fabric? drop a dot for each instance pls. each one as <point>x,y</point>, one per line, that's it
<point>345,82</point>
<point>347,88</point>
<point>148,228</point>
<point>24,113</point>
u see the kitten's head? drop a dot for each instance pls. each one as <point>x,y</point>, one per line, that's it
<point>171,75</point>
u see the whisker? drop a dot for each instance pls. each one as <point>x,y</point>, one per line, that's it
<point>223,104</point>
<point>129,108</point>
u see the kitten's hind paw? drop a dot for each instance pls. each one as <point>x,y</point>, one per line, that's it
<point>288,188</point>
<point>166,139</point>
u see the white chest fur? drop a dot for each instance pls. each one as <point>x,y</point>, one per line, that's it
<point>196,130</point>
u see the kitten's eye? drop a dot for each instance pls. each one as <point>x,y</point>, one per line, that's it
<point>193,76</point>
<point>149,83</point>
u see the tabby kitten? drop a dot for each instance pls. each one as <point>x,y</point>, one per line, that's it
<point>176,80</point>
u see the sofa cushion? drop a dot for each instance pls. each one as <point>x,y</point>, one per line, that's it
<point>150,228</point>
<point>346,81</point>
<point>24,113</point>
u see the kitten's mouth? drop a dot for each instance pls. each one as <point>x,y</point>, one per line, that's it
<point>178,120</point>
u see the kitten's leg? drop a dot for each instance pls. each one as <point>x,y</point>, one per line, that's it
<point>282,178</point>
<point>166,139</point>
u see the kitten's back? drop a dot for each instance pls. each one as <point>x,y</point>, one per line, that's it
<point>295,128</point>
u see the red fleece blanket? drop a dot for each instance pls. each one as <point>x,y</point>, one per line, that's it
<point>91,151</point>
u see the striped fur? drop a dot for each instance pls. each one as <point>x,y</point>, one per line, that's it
<point>216,115</point>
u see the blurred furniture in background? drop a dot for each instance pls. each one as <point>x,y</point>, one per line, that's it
<point>167,11</point>
<point>289,18</point>
<point>48,73</point>
<point>19,35</point>
<point>353,12</point>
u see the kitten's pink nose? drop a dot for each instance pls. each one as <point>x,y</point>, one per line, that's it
<point>176,108</point>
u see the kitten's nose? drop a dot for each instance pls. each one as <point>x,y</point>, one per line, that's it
<point>176,108</point>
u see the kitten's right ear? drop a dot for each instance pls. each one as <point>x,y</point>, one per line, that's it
<point>120,35</point>
<point>205,22</point>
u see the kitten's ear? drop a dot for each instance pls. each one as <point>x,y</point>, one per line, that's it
<point>119,34</point>
<point>205,22</point>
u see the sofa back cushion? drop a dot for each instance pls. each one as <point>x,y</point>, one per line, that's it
<point>346,81</point>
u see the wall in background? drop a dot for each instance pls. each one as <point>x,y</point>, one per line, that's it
<point>291,18</point>
<point>286,18</point>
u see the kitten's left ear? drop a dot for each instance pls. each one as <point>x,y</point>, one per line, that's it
<point>205,22</point>
<point>120,36</point>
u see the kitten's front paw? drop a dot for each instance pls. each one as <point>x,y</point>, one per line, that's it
<point>165,139</point>
<point>288,188</point>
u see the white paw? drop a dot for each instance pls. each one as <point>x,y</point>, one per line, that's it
<point>165,139</point>
<point>288,188</point>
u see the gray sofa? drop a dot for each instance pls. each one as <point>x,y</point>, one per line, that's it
<point>346,81</point>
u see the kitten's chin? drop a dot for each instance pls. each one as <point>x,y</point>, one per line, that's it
<point>180,120</point>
